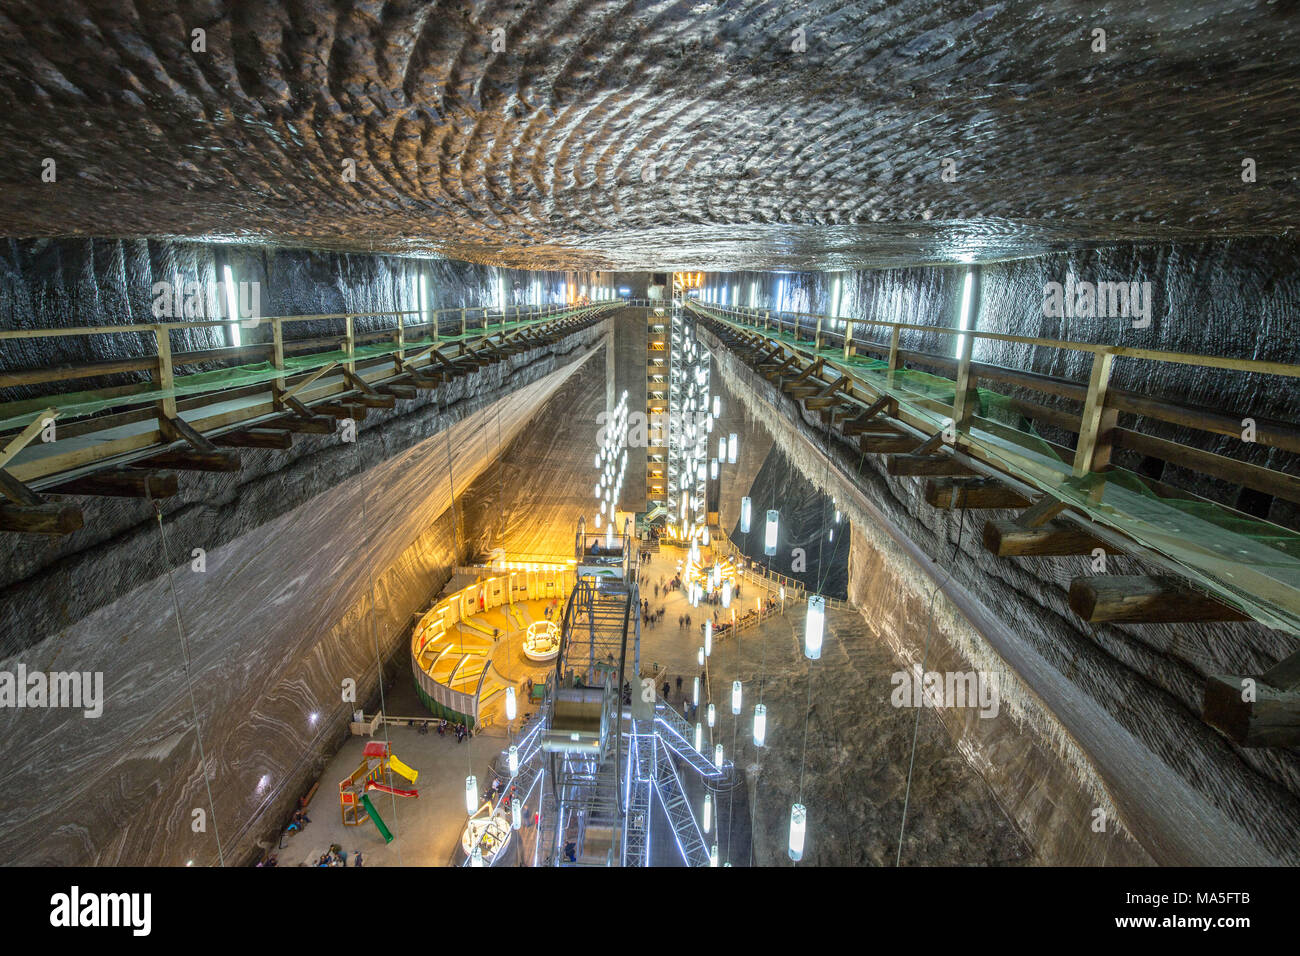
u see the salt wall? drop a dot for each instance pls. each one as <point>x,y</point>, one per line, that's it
<point>297,546</point>
<point>1095,720</point>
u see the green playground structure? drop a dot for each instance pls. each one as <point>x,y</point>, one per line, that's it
<point>376,819</point>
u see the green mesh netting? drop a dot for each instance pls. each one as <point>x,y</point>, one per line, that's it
<point>1252,564</point>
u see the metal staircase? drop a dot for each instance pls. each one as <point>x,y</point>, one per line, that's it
<point>668,787</point>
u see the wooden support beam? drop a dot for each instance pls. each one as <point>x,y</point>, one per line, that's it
<point>18,492</point>
<point>914,464</point>
<point>191,459</point>
<point>1044,510</point>
<point>1093,451</point>
<point>376,401</point>
<point>122,483</point>
<point>283,397</point>
<point>312,425</point>
<point>178,429</point>
<point>1007,539</point>
<point>45,518</point>
<point>972,493</point>
<point>930,445</point>
<point>24,437</point>
<point>1142,599</point>
<point>827,398</point>
<point>341,411</point>
<point>886,443</point>
<point>255,438</point>
<point>1251,711</point>
<point>862,423</point>
<point>808,372</point>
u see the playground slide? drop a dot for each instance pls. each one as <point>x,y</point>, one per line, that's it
<point>519,618</point>
<point>398,767</point>
<point>376,819</point>
<point>393,790</point>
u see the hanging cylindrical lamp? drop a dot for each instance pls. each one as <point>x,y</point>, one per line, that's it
<point>733,448</point>
<point>712,715</point>
<point>717,756</point>
<point>717,405</point>
<point>699,659</point>
<point>760,725</point>
<point>700,472</point>
<point>798,826</point>
<point>726,593</point>
<point>713,855</point>
<point>516,814</point>
<point>708,812</point>
<point>735,697</point>
<point>476,857</point>
<point>708,637</point>
<point>699,735</point>
<point>695,692</point>
<point>511,709</point>
<point>471,794</point>
<point>722,447</point>
<point>813,627</point>
<point>769,534</point>
<point>746,508</point>
<point>512,755</point>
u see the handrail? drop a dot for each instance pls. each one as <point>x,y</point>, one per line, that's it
<point>245,394</point>
<point>1234,557</point>
<point>1261,366</point>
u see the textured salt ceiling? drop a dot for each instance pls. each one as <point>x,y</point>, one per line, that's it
<point>541,154</point>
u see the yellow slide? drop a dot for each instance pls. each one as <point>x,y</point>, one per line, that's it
<point>398,767</point>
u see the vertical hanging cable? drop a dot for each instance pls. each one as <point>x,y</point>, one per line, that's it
<point>925,657</point>
<point>374,626</point>
<point>189,678</point>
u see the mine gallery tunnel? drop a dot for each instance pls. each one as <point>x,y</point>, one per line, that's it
<point>649,434</point>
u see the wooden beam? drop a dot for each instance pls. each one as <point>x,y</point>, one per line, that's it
<point>376,401</point>
<point>1142,599</point>
<point>41,519</point>
<point>18,492</point>
<point>313,425</point>
<point>884,403</point>
<point>900,465</point>
<point>1007,539</point>
<point>972,493</point>
<point>1252,712</point>
<point>826,397</point>
<point>255,438</point>
<point>886,443</point>
<point>1044,510</point>
<point>178,429</point>
<point>930,445</point>
<point>191,459</point>
<point>21,440</point>
<point>298,387</point>
<point>1093,451</point>
<point>122,483</point>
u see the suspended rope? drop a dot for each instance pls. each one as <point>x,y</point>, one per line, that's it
<point>189,677</point>
<point>925,657</point>
<point>374,627</point>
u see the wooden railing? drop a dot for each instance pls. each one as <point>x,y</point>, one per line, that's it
<point>129,419</point>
